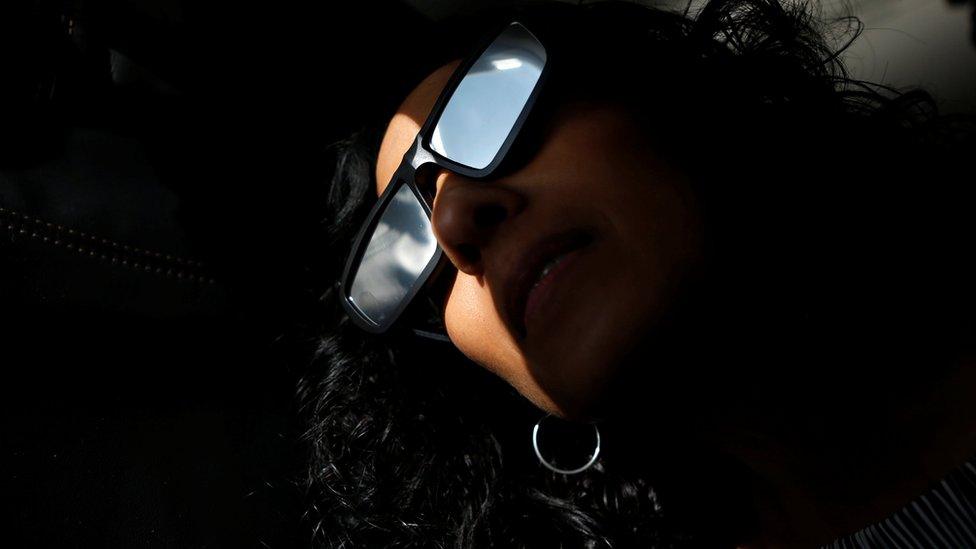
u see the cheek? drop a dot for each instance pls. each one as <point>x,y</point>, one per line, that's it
<point>475,326</point>
<point>477,330</point>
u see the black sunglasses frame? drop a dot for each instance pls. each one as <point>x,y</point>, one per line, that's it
<point>419,155</point>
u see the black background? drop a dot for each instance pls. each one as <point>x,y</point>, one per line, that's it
<point>147,401</point>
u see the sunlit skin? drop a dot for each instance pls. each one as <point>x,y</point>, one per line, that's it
<point>594,170</point>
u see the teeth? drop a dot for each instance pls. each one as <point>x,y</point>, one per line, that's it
<point>547,268</point>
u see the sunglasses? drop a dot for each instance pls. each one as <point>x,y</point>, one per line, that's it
<point>469,132</point>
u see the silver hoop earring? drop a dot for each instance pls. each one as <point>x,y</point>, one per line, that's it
<point>550,466</point>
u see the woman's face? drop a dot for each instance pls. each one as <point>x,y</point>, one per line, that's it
<point>594,191</point>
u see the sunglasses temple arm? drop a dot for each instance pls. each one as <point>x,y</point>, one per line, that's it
<point>431,335</point>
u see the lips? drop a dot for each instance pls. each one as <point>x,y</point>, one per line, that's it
<point>529,268</point>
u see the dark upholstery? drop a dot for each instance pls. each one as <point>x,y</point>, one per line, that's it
<point>160,169</point>
<point>140,405</point>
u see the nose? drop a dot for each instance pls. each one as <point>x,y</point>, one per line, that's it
<point>466,216</point>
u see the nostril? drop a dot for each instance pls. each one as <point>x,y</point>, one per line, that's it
<point>489,215</point>
<point>469,253</point>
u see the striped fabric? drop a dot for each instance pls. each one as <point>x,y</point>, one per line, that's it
<point>945,516</point>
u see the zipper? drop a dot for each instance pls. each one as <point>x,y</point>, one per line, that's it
<point>104,249</point>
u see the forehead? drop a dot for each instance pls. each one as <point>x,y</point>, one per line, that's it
<point>403,127</point>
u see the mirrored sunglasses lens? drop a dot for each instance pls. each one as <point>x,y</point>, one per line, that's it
<point>486,104</point>
<point>401,246</point>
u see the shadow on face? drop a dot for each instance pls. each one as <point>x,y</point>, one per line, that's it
<point>602,228</point>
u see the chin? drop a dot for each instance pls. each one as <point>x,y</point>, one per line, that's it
<point>576,391</point>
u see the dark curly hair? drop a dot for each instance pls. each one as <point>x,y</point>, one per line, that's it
<point>412,445</point>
